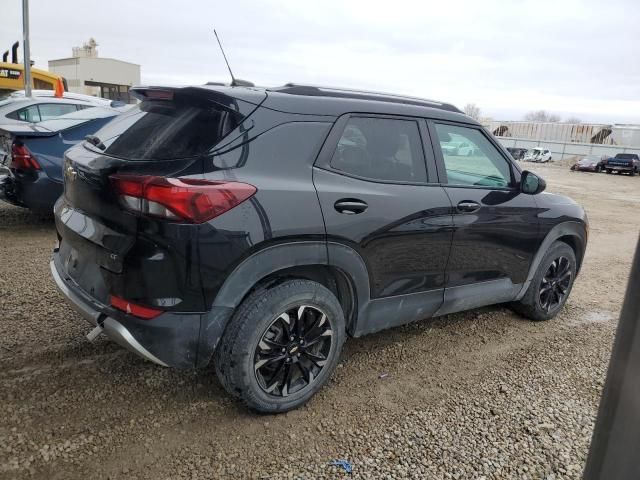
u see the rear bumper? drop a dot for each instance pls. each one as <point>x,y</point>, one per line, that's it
<point>170,340</point>
<point>38,193</point>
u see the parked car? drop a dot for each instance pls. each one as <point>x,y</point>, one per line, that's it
<point>624,163</point>
<point>43,105</point>
<point>261,227</point>
<point>459,147</point>
<point>591,163</point>
<point>35,154</point>
<point>540,155</point>
<point>517,153</point>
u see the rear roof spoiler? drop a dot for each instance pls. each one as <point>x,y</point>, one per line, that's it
<point>242,100</point>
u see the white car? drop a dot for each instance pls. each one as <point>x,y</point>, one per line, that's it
<point>540,155</point>
<point>44,105</point>
<point>459,148</point>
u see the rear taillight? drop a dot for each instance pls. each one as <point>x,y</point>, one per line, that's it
<point>180,199</point>
<point>22,159</point>
<point>134,309</point>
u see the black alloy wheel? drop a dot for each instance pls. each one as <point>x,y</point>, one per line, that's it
<point>293,350</point>
<point>555,284</point>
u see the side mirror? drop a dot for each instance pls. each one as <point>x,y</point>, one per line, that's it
<point>531,184</point>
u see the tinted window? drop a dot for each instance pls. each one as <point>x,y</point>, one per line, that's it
<point>470,158</point>
<point>627,156</point>
<point>163,130</point>
<point>381,149</point>
<point>54,110</point>
<point>27,114</point>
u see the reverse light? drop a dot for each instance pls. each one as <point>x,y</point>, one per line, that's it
<point>22,159</point>
<point>134,309</point>
<point>179,199</point>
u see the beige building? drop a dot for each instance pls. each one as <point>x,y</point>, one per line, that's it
<point>87,73</point>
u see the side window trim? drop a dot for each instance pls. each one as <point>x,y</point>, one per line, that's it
<point>330,145</point>
<point>442,171</point>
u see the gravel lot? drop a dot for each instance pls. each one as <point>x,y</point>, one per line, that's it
<point>483,394</point>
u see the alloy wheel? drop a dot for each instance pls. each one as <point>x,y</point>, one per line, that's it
<point>555,284</point>
<point>293,350</point>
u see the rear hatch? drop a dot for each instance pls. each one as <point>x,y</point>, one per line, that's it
<point>112,243</point>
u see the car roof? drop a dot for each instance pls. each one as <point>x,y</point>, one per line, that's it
<point>331,101</point>
<point>49,94</point>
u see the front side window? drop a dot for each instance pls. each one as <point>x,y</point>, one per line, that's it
<point>381,149</point>
<point>55,110</point>
<point>470,158</point>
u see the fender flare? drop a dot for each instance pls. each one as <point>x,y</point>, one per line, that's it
<point>272,259</point>
<point>572,229</point>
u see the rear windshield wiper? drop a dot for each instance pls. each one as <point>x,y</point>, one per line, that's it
<point>95,141</point>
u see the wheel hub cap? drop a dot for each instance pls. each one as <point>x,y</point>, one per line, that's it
<point>293,350</point>
<point>555,284</point>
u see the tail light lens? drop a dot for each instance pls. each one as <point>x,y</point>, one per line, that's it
<point>134,309</point>
<point>21,158</point>
<point>180,199</point>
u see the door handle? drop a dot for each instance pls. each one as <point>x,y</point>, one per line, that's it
<point>468,206</point>
<point>350,206</point>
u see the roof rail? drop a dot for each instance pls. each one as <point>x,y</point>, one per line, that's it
<point>320,91</point>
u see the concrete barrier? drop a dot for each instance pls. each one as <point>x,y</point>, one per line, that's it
<point>563,150</point>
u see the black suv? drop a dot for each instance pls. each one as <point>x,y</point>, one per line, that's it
<point>259,227</point>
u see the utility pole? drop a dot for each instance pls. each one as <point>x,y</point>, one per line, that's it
<point>25,45</point>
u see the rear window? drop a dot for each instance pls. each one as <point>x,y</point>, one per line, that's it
<point>165,130</point>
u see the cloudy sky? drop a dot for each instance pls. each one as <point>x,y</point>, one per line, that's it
<point>570,57</point>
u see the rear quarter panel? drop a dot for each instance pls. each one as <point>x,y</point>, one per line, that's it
<point>285,207</point>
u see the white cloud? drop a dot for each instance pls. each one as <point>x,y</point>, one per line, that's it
<point>570,57</point>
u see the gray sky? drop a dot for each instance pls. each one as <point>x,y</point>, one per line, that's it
<point>570,57</point>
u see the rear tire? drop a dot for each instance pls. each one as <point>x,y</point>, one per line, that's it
<point>551,285</point>
<point>281,345</point>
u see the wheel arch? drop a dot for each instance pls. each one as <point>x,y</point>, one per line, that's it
<point>338,267</point>
<point>572,233</point>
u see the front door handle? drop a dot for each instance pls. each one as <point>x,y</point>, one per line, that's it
<point>350,206</point>
<point>468,206</point>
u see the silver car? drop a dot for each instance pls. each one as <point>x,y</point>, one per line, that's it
<point>43,105</point>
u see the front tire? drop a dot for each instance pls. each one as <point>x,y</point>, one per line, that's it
<point>281,345</point>
<point>551,285</point>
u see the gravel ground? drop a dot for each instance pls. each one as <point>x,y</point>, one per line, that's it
<point>479,395</point>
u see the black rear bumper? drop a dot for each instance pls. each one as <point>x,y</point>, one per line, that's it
<point>171,339</point>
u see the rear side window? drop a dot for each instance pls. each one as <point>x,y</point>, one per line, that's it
<point>165,130</point>
<point>381,149</point>
<point>27,114</point>
<point>470,158</point>
<point>55,110</point>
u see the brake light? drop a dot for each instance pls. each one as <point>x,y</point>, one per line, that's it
<point>22,159</point>
<point>134,309</point>
<point>180,199</point>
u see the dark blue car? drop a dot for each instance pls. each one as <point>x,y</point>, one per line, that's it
<point>33,153</point>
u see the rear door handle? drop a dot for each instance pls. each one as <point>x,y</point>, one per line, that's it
<point>468,206</point>
<point>350,206</point>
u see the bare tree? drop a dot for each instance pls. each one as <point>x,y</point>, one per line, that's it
<point>573,120</point>
<point>541,116</point>
<point>472,110</point>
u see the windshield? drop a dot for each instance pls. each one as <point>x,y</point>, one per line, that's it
<point>163,130</point>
